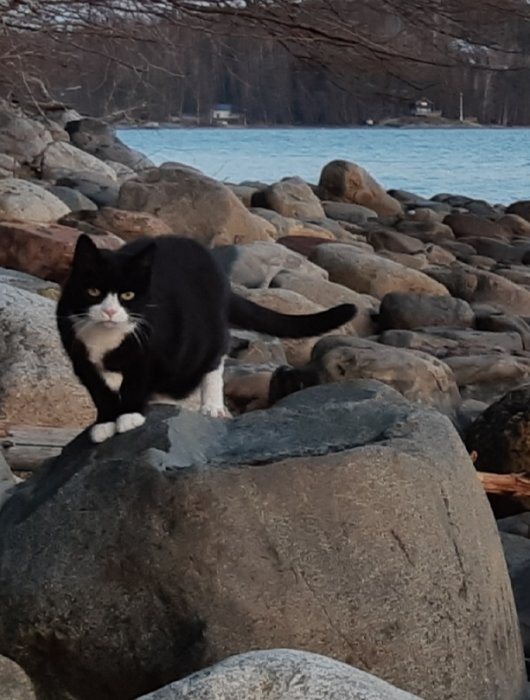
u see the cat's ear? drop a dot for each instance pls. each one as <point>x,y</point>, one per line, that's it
<point>86,252</point>
<point>143,259</point>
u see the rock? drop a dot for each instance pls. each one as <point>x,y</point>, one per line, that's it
<point>247,392</point>
<point>438,346</point>
<point>471,226</point>
<point>499,250</point>
<point>243,192</point>
<point>37,385</point>
<point>7,481</point>
<point>297,350</point>
<point>371,274</point>
<point>216,216</point>
<point>387,239</point>
<point>100,190</point>
<point>473,342</point>
<point>483,287</point>
<point>14,683</point>
<point>415,262</point>
<point>61,159</point>
<point>461,281</point>
<point>286,226</point>
<point>293,197</point>
<point>346,211</point>
<point>407,310</point>
<point>304,245</point>
<point>214,537</point>
<point>43,251</point>
<point>95,137</point>
<point>488,377</point>
<point>426,231</point>
<point>278,674</point>
<point>521,208</point>
<point>419,377</point>
<point>254,349</point>
<point>24,139</point>
<point>255,265</point>
<point>74,200</point>
<point>342,181</point>
<point>517,554</point>
<point>458,248</point>
<point>468,411</point>
<point>481,208</point>
<point>516,524</point>
<point>123,172</point>
<point>501,435</point>
<point>21,280</point>
<point>486,320</point>
<point>516,224</point>
<point>8,166</point>
<point>21,200</point>
<point>328,294</point>
<point>436,255</point>
<point>129,225</point>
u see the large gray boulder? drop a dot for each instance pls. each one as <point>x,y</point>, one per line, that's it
<point>99,139</point>
<point>280,674</point>
<point>344,521</point>
<point>193,205</point>
<point>37,385</point>
<point>21,137</point>
<point>21,200</point>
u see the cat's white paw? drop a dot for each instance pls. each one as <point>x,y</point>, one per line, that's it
<point>215,411</point>
<point>129,421</point>
<point>102,431</point>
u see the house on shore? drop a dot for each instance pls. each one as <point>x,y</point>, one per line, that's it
<point>424,108</point>
<point>222,114</point>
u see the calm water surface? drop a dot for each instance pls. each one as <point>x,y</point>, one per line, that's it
<point>491,164</point>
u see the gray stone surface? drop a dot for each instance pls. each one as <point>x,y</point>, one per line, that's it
<point>280,674</point>
<point>14,683</point>
<point>37,385</point>
<point>409,311</point>
<point>21,200</point>
<point>343,521</point>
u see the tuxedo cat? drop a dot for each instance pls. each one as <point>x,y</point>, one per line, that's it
<point>153,318</point>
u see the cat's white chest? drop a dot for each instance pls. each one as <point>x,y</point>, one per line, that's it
<point>99,340</point>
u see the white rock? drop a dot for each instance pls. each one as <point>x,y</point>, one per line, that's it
<point>280,674</point>
<point>21,200</point>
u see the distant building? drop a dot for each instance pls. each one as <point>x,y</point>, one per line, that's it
<point>424,108</point>
<point>223,114</point>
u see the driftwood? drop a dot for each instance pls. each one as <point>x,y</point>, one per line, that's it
<point>516,485</point>
<point>26,447</point>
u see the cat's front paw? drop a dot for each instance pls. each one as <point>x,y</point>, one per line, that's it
<point>102,431</point>
<point>129,421</point>
<point>215,411</point>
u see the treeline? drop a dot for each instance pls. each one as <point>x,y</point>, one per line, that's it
<point>160,71</point>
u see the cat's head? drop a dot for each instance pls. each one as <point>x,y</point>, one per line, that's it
<point>110,287</point>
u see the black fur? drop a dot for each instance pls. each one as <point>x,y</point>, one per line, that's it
<point>186,305</point>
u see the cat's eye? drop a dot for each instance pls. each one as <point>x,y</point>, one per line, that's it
<point>93,292</point>
<point>127,296</point>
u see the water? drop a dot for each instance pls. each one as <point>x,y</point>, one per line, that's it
<point>491,164</point>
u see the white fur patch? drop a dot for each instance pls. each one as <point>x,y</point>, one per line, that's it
<point>113,380</point>
<point>129,421</point>
<point>212,397</point>
<point>102,431</point>
<point>101,334</point>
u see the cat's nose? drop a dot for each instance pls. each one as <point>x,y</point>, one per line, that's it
<point>109,312</point>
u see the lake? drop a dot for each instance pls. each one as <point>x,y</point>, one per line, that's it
<point>491,164</point>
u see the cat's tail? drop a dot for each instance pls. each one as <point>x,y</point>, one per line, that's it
<point>250,316</point>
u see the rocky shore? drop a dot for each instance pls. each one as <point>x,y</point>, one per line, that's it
<point>339,512</point>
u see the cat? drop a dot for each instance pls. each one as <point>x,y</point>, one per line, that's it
<point>153,317</point>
